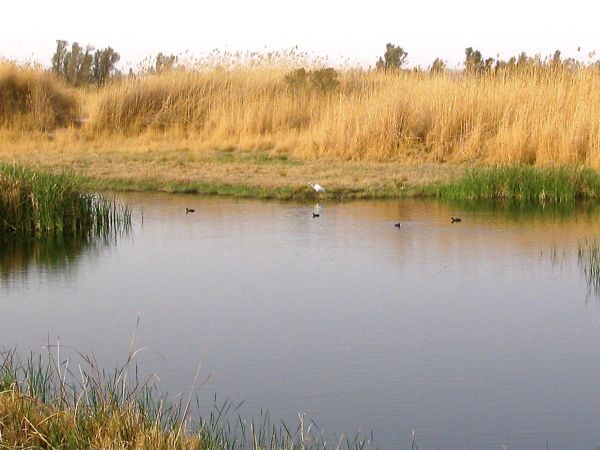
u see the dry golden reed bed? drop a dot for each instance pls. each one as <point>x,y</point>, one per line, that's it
<point>541,116</point>
<point>188,118</point>
<point>32,99</point>
<point>372,116</point>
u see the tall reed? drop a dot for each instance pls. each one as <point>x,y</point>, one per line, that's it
<point>523,183</point>
<point>547,118</point>
<point>38,203</point>
<point>536,116</point>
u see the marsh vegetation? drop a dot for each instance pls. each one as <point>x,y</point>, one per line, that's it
<point>47,403</point>
<point>178,122</point>
<point>523,183</point>
<point>34,203</point>
<point>536,115</point>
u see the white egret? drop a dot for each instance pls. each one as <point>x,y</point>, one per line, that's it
<point>317,187</point>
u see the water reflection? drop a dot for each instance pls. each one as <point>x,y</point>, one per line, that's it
<point>54,256</point>
<point>588,259</point>
<point>518,211</point>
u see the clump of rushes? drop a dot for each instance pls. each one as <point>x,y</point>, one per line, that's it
<point>37,203</point>
<point>523,183</point>
<point>47,403</point>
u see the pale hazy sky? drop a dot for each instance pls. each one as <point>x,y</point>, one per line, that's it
<point>357,30</point>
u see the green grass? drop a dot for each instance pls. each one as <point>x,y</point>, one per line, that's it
<point>522,183</point>
<point>35,203</point>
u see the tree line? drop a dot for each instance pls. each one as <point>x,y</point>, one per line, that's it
<point>395,57</point>
<point>81,66</point>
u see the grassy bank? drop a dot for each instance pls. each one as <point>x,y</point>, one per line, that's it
<point>43,404</point>
<point>522,183</point>
<point>343,181</point>
<point>38,203</point>
<point>123,164</point>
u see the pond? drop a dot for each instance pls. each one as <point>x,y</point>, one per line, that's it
<point>474,334</point>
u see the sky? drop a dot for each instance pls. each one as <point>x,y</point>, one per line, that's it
<point>356,31</point>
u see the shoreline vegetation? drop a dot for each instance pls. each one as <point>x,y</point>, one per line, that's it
<point>37,204</point>
<point>45,403</point>
<point>265,125</point>
<point>504,182</point>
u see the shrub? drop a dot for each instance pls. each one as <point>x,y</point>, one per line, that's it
<point>32,99</point>
<point>321,80</point>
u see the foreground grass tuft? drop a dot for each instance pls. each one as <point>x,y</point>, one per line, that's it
<point>40,409</point>
<point>522,183</point>
<point>48,403</point>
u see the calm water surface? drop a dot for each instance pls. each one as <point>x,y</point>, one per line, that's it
<point>474,335</point>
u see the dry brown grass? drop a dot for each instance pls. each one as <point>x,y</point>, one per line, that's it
<point>233,125</point>
<point>159,162</point>
<point>26,422</point>
<point>546,118</point>
<point>32,99</point>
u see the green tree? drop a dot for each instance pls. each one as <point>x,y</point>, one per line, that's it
<point>393,58</point>
<point>438,66</point>
<point>164,63</point>
<point>474,63</point>
<point>322,80</point>
<point>325,79</point>
<point>523,60</point>
<point>556,60</point>
<point>297,79</point>
<point>73,64</point>
<point>80,66</point>
<point>59,58</point>
<point>84,72</point>
<point>103,66</point>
